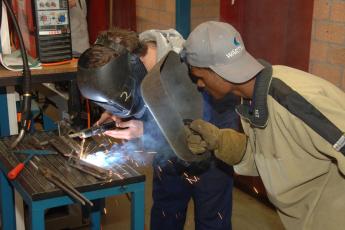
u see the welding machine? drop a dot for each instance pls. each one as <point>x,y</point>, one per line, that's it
<point>45,27</point>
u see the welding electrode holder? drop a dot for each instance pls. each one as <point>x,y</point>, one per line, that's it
<point>93,131</point>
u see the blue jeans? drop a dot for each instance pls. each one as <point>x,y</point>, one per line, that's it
<point>212,196</point>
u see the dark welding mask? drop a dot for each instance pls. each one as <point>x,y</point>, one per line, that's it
<point>115,86</point>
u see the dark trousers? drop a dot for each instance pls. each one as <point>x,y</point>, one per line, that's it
<point>212,196</point>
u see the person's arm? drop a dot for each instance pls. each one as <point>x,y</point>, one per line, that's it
<point>332,106</point>
<point>246,166</point>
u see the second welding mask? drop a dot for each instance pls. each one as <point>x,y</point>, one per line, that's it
<point>115,86</point>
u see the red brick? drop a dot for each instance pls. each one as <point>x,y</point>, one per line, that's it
<point>329,72</point>
<point>343,85</point>
<point>212,2</point>
<point>148,25</point>
<point>336,55</point>
<point>197,2</point>
<point>171,6</point>
<point>338,12</point>
<point>141,13</point>
<point>330,32</point>
<point>153,15</point>
<point>167,19</point>
<point>321,9</point>
<point>318,51</point>
<point>211,11</point>
<point>159,4</point>
<point>144,3</point>
<point>197,12</point>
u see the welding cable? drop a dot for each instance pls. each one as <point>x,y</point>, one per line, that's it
<point>26,102</point>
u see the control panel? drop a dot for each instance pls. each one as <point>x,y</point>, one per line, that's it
<point>52,16</point>
<point>46,29</point>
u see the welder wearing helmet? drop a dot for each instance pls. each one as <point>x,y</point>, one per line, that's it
<point>115,71</point>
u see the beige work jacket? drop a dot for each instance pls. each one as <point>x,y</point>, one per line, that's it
<point>302,173</point>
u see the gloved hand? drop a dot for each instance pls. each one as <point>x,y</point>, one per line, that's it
<point>195,143</point>
<point>228,145</point>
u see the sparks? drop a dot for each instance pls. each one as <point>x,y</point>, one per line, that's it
<point>151,152</point>
<point>105,211</point>
<point>81,154</point>
<point>257,192</point>
<point>220,216</point>
<point>192,179</point>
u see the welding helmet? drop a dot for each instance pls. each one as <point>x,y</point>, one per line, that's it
<point>115,86</point>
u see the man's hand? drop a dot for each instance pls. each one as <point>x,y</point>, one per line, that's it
<point>228,145</point>
<point>107,117</point>
<point>131,129</point>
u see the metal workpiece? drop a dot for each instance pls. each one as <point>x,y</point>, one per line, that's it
<point>97,172</point>
<point>63,185</point>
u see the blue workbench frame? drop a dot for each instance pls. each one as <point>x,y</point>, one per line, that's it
<point>38,207</point>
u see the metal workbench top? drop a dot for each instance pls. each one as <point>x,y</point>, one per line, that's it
<point>38,187</point>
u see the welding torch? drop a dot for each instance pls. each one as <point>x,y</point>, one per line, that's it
<point>93,131</point>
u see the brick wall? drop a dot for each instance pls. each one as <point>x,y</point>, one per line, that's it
<point>155,14</point>
<point>327,53</point>
<point>204,10</point>
<point>160,14</point>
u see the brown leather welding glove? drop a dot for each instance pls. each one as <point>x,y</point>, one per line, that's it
<point>195,143</point>
<point>228,145</point>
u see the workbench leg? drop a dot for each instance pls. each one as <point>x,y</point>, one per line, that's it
<point>37,217</point>
<point>7,204</point>
<point>95,215</point>
<point>138,209</point>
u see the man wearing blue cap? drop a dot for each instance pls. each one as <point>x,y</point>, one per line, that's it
<point>293,127</point>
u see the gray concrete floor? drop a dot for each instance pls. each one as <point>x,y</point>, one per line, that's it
<point>248,213</point>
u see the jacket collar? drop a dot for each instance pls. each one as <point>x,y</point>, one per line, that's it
<point>255,111</point>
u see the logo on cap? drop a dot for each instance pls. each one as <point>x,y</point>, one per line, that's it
<point>235,51</point>
<point>236,43</point>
